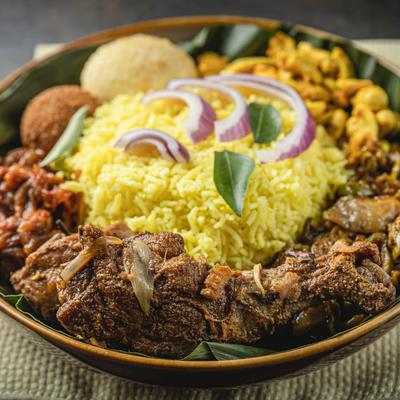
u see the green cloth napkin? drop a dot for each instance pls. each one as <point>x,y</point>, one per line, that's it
<point>31,368</point>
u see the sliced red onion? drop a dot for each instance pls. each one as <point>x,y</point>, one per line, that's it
<point>200,122</point>
<point>235,126</point>
<point>303,133</point>
<point>168,147</point>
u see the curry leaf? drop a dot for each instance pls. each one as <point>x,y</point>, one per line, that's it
<point>69,138</point>
<point>227,351</point>
<point>231,177</point>
<point>202,352</point>
<point>265,122</point>
<point>243,40</point>
<point>232,41</point>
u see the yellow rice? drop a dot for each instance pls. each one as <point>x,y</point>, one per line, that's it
<point>155,195</point>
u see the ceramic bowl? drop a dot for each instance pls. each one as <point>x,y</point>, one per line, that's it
<point>210,374</point>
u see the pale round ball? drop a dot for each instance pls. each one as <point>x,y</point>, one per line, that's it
<point>134,64</point>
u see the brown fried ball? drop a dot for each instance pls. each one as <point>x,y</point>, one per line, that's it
<point>47,115</point>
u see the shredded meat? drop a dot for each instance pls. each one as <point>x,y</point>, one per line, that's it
<point>31,200</point>
<point>210,302</point>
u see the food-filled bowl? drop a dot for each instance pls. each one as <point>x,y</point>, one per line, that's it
<point>64,67</point>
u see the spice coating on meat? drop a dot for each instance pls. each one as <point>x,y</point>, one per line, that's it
<point>193,301</point>
<point>37,280</point>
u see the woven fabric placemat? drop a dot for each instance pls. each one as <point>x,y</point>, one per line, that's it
<point>30,368</point>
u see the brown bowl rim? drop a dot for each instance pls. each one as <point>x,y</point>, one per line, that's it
<point>308,351</point>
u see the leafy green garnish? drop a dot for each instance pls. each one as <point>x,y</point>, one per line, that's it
<point>69,138</point>
<point>244,40</point>
<point>201,352</point>
<point>225,351</point>
<point>232,41</point>
<point>231,177</point>
<point>265,122</point>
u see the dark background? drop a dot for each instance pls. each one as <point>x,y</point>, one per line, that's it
<point>23,23</point>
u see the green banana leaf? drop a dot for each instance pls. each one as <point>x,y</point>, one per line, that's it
<point>231,41</point>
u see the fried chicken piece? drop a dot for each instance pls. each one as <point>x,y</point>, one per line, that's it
<point>193,301</point>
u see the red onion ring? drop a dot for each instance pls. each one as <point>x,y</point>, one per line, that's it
<point>200,122</point>
<point>235,126</point>
<point>168,147</point>
<point>303,133</point>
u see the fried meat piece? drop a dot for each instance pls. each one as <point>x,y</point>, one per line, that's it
<point>363,214</point>
<point>193,301</point>
<point>37,280</point>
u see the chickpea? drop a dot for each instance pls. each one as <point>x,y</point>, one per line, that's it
<point>329,67</point>
<point>362,119</point>
<point>330,83</point>
<point>318,56</point>
<point>303,67</point>
<point>280,42</point>
<point>344,65</point>
<point>211,63</point>
<point>361,128</point>
<point>388,121</point>
<point>313,92</point>
<point>317,108</point>
<point>340,98</point>
<point>247,64</point>
<point>373,96</point>
<point>325,118</point>
<point>265,70</point>
<point>337,123</point>
<point>351,86</point>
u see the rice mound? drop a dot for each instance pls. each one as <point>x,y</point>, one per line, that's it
<point>155,195</point>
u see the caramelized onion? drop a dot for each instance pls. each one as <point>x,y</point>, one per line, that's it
<point>257,277</point>
<point>85,256</point>
<point>137,259</point>
<point>77,264</point>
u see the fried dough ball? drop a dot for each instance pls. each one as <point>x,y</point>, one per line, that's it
<point>47,115</point>
<point>134,64</point>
